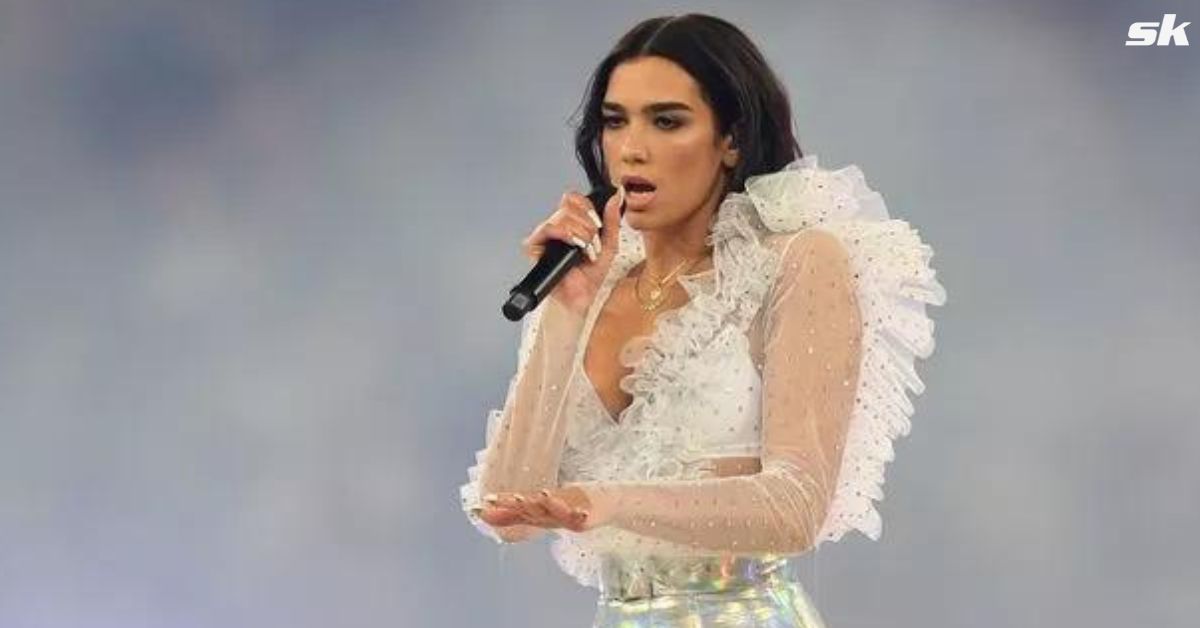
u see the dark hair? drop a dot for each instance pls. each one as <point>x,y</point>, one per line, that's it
<point>734,79</point>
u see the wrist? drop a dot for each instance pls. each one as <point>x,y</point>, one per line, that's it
<point>561,325</point>
<point>598,501</point>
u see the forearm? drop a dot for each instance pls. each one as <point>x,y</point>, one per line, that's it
<point>780,510</point>
<point>527,444</point>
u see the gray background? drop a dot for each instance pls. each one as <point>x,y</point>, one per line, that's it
<point>252,255</point>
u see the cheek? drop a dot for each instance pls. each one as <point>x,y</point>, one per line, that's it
<point>690,159</point>
<point>608,149</point>
<point>689,150</point>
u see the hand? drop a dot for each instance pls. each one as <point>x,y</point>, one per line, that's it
<point>575,221</point>
<point>549,508</point>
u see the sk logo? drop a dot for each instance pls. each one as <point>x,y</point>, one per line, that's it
<point>1144,33</point>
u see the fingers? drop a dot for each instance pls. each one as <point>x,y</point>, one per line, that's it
<point>561,511</point>
<point>578,209</point>
<point>522,508</point>
<point>499,517</point>
<point>535,244</point>
<point>541,509</point>
<point>612,220</point>
<point>574,221</point>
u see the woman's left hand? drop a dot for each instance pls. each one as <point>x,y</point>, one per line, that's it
<point>566,507</point>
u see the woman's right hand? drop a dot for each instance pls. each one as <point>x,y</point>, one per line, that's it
<point>575,222</point>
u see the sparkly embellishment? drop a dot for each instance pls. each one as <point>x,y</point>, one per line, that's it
<point>661,429</point>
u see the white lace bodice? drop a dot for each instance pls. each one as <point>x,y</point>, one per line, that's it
<point>797,347</point>
<point>722,400</point>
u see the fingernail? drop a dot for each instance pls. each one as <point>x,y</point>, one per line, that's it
<point>595,219</point>
<point>577,242</point>
<point>596,242</point>
<point>621,191</point>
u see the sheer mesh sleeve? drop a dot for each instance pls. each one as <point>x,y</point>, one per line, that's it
<point>812,346</point>
<point>524,440</point>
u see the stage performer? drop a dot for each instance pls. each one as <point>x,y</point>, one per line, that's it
<point>717,387</point>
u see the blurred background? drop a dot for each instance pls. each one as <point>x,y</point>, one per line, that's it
<point>252,255</point>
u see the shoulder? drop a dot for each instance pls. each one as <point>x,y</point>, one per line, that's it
<point>810,246</point>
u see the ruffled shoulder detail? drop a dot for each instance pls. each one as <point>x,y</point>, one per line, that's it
<point>894,283</point>
<point>656,438</point>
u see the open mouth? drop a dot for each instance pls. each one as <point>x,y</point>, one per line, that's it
<point>638,195</point>
<point>639,186</point>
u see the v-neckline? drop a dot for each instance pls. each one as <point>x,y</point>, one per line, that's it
<point>651,338</point>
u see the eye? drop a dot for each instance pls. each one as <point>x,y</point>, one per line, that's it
<point>671,123</point>
<point>610,122</point>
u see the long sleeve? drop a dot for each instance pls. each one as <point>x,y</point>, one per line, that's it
<point>524,440</point>
<point>811,352</point>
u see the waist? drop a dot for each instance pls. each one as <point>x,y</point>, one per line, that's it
<point>629,578</point>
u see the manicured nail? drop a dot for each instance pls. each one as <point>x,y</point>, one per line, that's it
<point>597,243</point>
<point>579,243</point>
<point>588,250</point>
<point>595,219</point>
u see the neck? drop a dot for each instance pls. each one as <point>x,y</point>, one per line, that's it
<point>684,242</point>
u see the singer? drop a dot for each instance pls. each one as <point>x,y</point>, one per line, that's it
<point>716,388</point>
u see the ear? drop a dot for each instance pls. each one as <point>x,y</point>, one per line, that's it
<point>729,156</point>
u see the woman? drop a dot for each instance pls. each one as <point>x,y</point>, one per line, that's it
<point>717,387</point>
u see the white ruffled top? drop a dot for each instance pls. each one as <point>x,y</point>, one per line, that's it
<point>697,381</point>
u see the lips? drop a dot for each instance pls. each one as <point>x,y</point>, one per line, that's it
<point>637,184</point>
<point>639,192</point>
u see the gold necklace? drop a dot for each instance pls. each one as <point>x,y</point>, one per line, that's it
<point>658,294</point>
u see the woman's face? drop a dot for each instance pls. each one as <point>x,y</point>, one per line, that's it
<point>657,126</point>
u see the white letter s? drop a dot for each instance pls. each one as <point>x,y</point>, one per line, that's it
<point>1142,34</point>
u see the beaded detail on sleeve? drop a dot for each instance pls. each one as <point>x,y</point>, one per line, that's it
<point>655,441</point>
<point>894,284</point>
<point>823,459</point>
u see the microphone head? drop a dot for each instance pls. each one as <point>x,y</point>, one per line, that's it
<point>517,306</point>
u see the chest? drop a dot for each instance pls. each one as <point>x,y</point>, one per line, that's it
<point>696,402</point>
<point>619,322</point>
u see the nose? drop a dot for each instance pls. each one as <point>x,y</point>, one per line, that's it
<point>631,150</point>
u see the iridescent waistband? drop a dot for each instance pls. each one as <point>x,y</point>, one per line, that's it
<point>626,578</point>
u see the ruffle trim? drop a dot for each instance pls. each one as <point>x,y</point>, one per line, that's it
<point>894,283</point>
<point>651,440</point>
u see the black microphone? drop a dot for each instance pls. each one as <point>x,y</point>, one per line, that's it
<point>558,258</point>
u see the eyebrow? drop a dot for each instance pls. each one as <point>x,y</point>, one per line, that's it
<point>650,108</point>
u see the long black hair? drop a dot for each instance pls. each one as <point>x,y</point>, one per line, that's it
<point>734,78</point>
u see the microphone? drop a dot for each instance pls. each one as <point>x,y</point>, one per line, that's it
<point>558,258</point>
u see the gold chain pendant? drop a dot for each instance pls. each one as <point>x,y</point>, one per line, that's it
<point>657,294</point>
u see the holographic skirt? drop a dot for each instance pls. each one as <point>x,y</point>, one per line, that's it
<point>702,592</point>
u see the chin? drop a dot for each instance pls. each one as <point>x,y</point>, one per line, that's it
<point>639,219</point>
